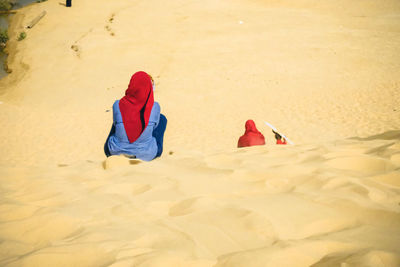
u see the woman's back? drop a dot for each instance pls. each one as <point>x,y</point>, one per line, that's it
<point>145,147</point>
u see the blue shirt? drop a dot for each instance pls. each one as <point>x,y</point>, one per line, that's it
<point>145,147</point>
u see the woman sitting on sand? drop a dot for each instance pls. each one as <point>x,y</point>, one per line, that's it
<point>138,127</point>
<point>279,139</point>
<point>251,137</point>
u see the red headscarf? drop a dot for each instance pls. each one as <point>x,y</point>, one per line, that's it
<point>136,105</point>
<point>252,137</point>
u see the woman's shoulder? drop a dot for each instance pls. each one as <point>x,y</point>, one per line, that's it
<point>116,106</point>
<point>117,117</point>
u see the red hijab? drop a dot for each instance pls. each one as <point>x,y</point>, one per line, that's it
<point>251,137</point>
<point>136,105</point>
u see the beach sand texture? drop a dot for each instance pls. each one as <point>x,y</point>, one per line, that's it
<point>326,73</point>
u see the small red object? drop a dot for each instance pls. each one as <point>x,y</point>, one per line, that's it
<point>280,142</point>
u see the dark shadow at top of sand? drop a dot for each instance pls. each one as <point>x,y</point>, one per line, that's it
<point>389,135</point>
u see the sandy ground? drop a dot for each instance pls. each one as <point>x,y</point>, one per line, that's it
<point>326,73</point>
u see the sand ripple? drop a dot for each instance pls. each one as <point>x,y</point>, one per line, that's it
<point>263,206</point>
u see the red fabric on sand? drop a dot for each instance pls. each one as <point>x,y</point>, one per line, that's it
<point>251,137</point>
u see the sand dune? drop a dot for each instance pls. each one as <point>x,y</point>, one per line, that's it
<point>326,73</point>
<point>262,206</point>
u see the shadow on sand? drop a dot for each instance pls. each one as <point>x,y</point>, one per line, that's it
<point>389,135</point>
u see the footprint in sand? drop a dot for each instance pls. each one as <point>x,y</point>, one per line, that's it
<point>77,49</point>
<point>108,27</point>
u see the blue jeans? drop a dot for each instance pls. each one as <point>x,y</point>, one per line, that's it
<point>158,134</point>
<point>106,149</point>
